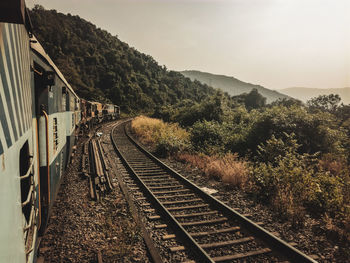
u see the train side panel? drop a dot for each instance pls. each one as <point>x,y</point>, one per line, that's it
<point>56,112</point>
<point>19,200</point>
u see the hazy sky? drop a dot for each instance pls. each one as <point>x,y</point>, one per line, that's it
<point>274,43</point>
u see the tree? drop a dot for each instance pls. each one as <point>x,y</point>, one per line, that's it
<point>328,103</point>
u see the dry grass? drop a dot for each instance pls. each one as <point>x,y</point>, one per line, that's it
<point>165,138</point>
<point>227,168</point>
<point>193,160</point>
<point>150,130</point>
<point>147,129</point>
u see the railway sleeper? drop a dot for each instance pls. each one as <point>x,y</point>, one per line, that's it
<point>217,244</point>
<point>218,231</point>
<point>206,233</point>
<point>151,173</point>
<point>150,180</point>
<point>186,216</point>
<point>155,177</point>
<point>205,222</point>
<point>170,184</point>
<point>181,201</point>
<point>171,191</point>
<point>147,169</point>
<point>165,187</point>
<point>242,255</point>
<point>187,207</point>
<point>175,196</point>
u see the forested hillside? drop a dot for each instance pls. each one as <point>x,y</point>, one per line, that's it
<point>232,85</point>
<point>101,67</point>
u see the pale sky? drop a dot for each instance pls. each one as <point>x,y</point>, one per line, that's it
<point>274,43</point>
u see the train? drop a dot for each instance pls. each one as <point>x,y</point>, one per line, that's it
<point>41,118</point>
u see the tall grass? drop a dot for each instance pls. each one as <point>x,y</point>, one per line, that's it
<point>165,138</point>
<point>227,168</point>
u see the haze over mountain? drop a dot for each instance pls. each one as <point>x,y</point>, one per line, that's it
<point>305,94</point>
<point>231,85</point>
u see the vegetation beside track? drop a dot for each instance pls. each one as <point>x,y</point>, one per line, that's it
<point>298,154</point>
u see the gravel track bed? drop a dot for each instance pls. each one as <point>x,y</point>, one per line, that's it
<point>79,227</point>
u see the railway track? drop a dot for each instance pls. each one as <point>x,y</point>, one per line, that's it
<point>206,228</point>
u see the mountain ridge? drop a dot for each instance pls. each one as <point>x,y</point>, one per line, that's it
<point>232,85</point>
<point>304,93</point>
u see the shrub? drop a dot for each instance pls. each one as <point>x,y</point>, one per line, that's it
<point>165,138</point>
<point>285,178</point>
<point>318,132</point>
<point>293,181</point>
<point>227,168</point>
<point>207,137</point>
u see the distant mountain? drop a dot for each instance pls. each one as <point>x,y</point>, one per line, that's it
<point>305,94</point>
<point>231,85</point>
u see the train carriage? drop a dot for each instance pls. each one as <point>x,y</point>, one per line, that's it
<point>40,116</point>
<point>110,112</point>
<point>19,188</point>
<point>57,113</point>
<point>97,111</point>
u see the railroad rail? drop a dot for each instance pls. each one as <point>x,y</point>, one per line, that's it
<point>210,229</point>
<point>94,167</point>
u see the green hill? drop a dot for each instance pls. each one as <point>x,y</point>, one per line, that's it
<point>231,85</point>
<point>101,67</point>
<point>305,94</point>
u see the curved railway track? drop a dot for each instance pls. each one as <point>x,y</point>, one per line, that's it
<point>209,229</point>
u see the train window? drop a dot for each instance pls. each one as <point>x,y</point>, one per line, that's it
<point>49,78</point>
<point>55,135</point>
<point>76,104</point>
<point>24,163</point>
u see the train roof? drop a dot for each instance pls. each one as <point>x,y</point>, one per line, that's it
<point>95,102</point>
<point>37,47</point>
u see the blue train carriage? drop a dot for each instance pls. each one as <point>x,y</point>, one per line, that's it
<point>19,188</point>
<point>58,113</point>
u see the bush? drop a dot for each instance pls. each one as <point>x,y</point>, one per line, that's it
<point>169,144</point>
<point>163,137</point>
<point>293,181</point>
<point>207,137</point>
<point>228,167</point>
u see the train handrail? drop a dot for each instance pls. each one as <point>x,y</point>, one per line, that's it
<point>29,169</point>
<point>31,249</point>
<point>29,197</point>
<point>30,223</point>
<point>47,152</point>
